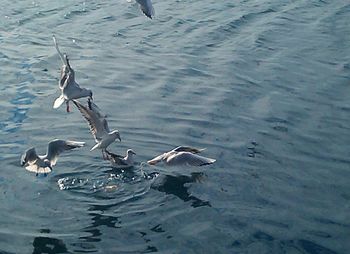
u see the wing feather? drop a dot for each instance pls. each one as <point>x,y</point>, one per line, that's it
<point>29,157</point>
<point>98,126</point>
<point>146,7</point>
<point>57,146</point>
<point>187,158</point>
<point>188,149</point>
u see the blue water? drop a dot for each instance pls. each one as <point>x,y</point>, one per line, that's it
<point>263,85</point>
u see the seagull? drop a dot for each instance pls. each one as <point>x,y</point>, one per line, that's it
<point>42,164</point>
<point>182,155</point>
<point>120,161</point>
<point>98,127</point>
<point>69,88</point>
<point>146,7</point>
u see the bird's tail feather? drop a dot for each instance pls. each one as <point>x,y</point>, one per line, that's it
<point>39,170</point>
<point>58,102</point>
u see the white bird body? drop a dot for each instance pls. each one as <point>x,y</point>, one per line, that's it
<point>70,89</point>
<point>98,126</point>
<point>106,140</point>
<point>182,155</point>
<point>42,164</point>
<point>146,7</point>
<point>119,161</point>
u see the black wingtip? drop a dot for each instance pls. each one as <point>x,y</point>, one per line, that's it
<point>147,15</point>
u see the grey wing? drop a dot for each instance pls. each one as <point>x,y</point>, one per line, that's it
<point>96,109</point>
<point>146,7</point>
<point>29,157</point>
<point>105,125</point>
<point>64,62</point>
<point>98,126</point>
<point>187,158</point>
<point>188,149</point>
<point>58,146</point>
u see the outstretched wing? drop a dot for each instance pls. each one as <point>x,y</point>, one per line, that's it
<point>187,158</point>
<point>146,7</point>
<point>96,109</point>
<point>58,146</point>
<point>64,62</point>
<point>98,126</point>
<point>29,157</point>
<point>188,149</point>
<point>157,159</point>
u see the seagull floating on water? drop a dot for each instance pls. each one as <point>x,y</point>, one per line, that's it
<point>42,164</point>
<point>98,126</point>
<point>182,155</point>
<point>146,7</point>
<point>120,161</point>
<point>69,88</point>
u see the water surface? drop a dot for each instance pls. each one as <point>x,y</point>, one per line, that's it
<point>263,85</point>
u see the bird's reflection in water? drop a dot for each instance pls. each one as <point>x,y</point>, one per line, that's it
<point>99,219</point>
<point>48,245</point>
<point>100,213</point>
<point>176,185</point>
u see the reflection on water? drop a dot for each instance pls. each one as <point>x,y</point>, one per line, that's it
<point>48,245</point>
<point>175,185</point>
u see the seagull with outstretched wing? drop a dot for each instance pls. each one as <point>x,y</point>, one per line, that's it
<point>146,7</point>
<point>98,127</point>
<point>182,155</point>
<point>119,161</point>
<point>70,89</point>
<point>42,164</point>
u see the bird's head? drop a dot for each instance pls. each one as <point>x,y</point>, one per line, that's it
<point>116,135</point>
<point>130,151</point>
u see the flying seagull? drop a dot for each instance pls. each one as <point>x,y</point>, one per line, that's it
<point>42,164</point>
<point>120,161</point>
<point>98,127</point>
<point>69,88</point>
<point>146,7</point>
<point>182,155</point>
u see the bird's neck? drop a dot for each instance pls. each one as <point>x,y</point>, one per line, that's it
<point>129,158</point>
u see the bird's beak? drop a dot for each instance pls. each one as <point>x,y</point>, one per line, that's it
<point>120,140</point>
<point>134,153</point>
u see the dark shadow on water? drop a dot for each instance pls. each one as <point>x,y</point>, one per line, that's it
<point>48,245</point>
<point>281,246</point>
<point>306,246</point>
<point>5,252</point>
<point>175,185</point>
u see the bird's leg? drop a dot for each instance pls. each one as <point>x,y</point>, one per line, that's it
<point>104,154</point>
<point>67,103</point>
